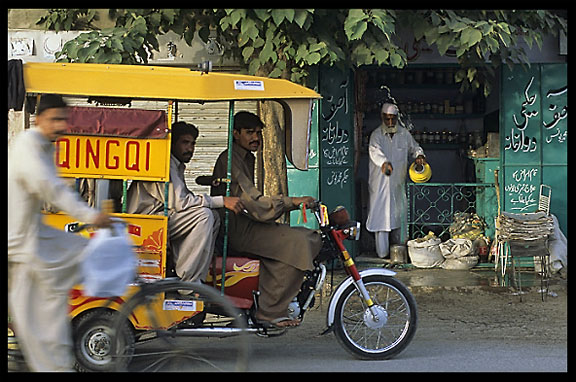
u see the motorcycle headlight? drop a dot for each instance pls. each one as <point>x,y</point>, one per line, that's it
<point>341,219</point>
<point>353,231</point>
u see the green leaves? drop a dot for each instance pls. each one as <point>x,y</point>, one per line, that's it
<point>67,19</point>
<point>355,24</point>
<point>476,38</point>
<point>358,21</point>
<point>470,36</point>
<point>109,46</point>
<point>288,42</point>
<point>278,15</point>
<point>370,34</point>
<point>274,40</point>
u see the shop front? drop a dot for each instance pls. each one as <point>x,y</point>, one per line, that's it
<point>467,139</point>
<point>458,132</point>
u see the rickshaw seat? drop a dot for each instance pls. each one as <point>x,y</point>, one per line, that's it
<point>171,266</point>
<point>233,253</point>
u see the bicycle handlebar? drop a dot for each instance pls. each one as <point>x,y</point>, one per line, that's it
<point>79,227</point>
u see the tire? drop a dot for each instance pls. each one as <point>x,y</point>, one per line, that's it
<point>92,334</point>
<point>174,348</point>
<point>16,361</point>
<point>376,340</point>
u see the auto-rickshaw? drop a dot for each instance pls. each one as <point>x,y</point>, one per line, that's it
<point>124,144</point>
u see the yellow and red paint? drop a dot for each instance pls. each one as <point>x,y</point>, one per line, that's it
<point>240,280</point>
<point>149,234</point>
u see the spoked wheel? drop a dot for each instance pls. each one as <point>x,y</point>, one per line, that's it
<point>16,361</point>
<point>170,343</point>
<point>380,332</point>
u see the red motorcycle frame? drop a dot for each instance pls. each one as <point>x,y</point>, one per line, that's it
<point>380,302</point>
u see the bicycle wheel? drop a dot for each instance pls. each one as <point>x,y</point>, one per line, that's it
<point>381,338</point>
<point>176,323</point>
<point>16,361</point>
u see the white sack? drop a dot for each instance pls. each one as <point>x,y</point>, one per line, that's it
<point>558,247</point>
<point>460,263</point>
<point>455,248</point>
<point>425,253</point>
<point>458,254</point>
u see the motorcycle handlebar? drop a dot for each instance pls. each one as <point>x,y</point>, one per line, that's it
<point>209,180</point>
<point>314,206</point>
<point>206,180</point>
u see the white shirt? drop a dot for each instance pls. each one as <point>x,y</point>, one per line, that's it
<point>148,197</point>
<point>387,196</point>
<point>183,197</point>
<point>32,180</point>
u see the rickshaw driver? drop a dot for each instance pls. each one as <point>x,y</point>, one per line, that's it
<point>285,252</point>
<point>44,261</point>
<point>192,225</point>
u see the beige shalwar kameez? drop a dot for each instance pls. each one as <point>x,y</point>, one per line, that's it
<point>44,262</point>
<point>192,225</point>
<point>285,252</point>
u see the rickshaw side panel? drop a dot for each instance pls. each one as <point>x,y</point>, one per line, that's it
<point>149,234</point>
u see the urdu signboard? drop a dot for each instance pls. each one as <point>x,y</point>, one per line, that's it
<point>534,129</point>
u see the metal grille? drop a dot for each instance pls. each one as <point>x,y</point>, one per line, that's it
<point>431,206</point>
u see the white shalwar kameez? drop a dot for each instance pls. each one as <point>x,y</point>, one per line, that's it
<point>387,205</point>
<point>44,262</point>
<point>192,222</point>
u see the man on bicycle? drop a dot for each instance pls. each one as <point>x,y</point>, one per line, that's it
<point>44,261</point>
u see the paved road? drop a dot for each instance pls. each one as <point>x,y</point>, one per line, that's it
<point>444,342</point>
<point>459,330</point>
<point>423,355</point>
<point>477,329</point>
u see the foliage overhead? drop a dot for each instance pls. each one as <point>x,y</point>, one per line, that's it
<point>288,42</point>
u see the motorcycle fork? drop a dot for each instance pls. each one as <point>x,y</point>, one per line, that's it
<point>351,269</point>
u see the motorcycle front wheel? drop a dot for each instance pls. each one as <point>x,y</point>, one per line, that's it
<point>381,331</point>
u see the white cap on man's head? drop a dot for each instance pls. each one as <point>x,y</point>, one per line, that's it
<point>389,108</point>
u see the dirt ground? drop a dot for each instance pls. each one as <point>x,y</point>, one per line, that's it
<point>475,313</point>
<point>470,313</point>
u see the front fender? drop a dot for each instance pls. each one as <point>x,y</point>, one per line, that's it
<point>344,284</point>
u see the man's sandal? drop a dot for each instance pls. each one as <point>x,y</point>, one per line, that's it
<point>276,327</point>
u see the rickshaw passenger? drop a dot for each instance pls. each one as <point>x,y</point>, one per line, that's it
<point>285,252</point>
<point>44,261</point>
<point>192,225</point>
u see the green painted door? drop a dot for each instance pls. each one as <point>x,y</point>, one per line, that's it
<point>533,132</point>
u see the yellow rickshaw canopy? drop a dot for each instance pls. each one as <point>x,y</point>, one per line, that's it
<point>169,83</point>
<point>155,82</point>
